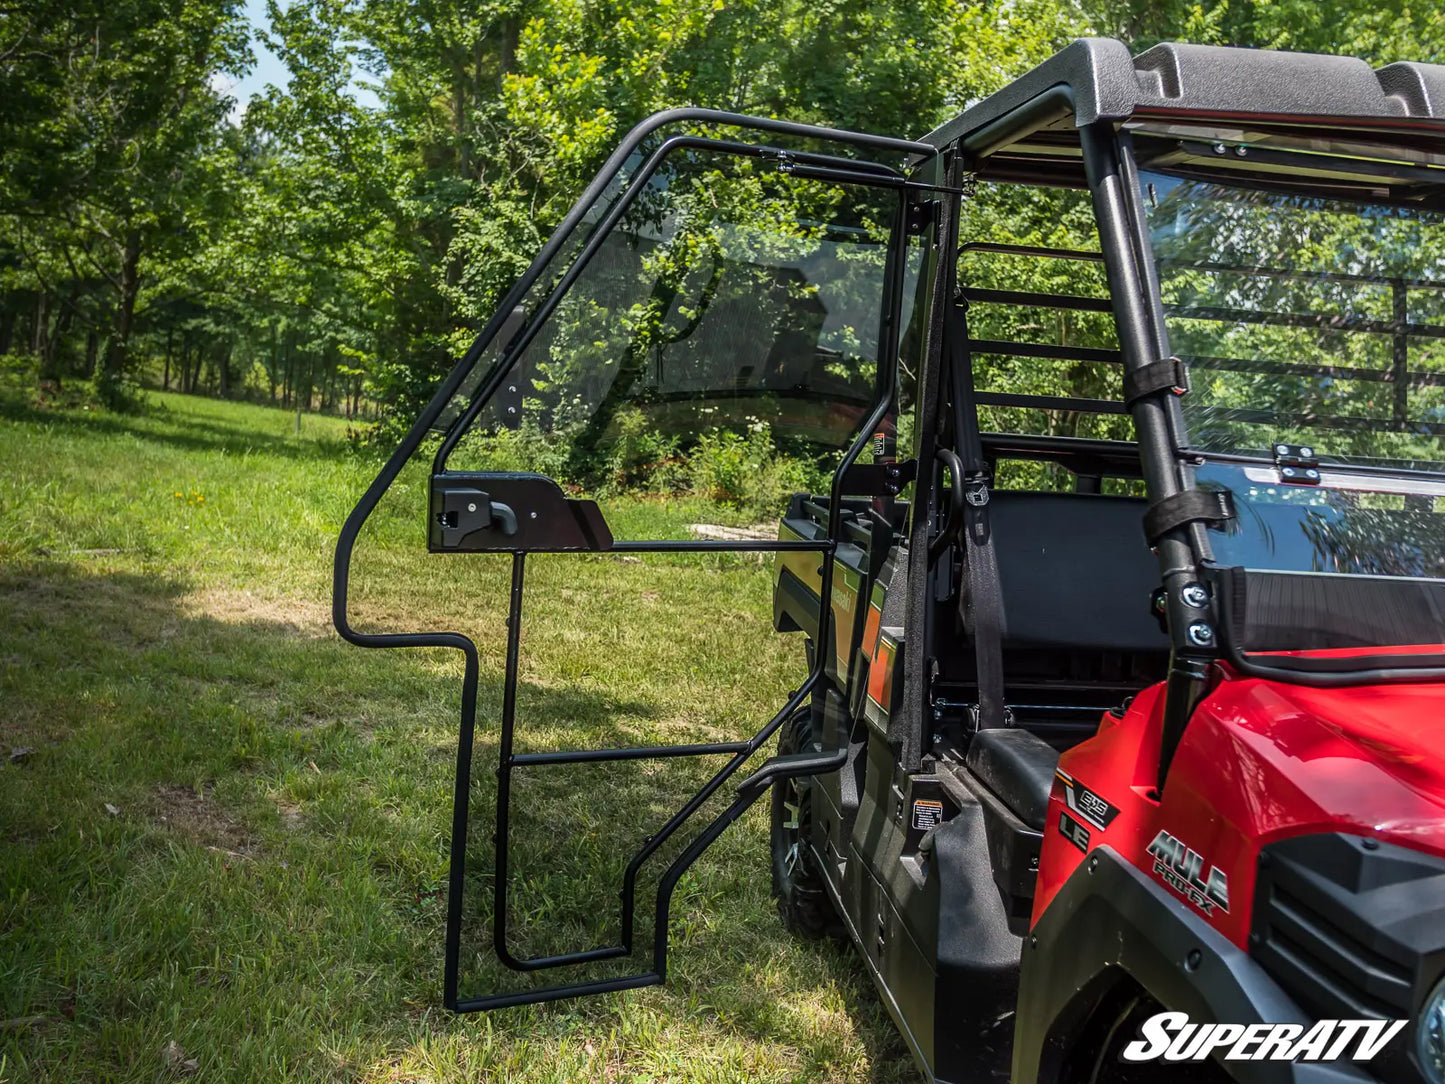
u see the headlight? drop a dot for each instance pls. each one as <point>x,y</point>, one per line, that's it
<point>1430,1035</point>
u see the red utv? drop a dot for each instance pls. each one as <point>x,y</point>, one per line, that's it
<point>1125,661</point>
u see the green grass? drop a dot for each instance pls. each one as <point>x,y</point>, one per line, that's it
<point>267,893</point>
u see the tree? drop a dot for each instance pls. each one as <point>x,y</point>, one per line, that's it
<point>115,139</point>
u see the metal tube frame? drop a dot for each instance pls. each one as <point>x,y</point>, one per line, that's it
<point>888,339</point>
<point>1139,319</point>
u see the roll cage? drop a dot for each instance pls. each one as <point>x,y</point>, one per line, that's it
<point>1079,120</point>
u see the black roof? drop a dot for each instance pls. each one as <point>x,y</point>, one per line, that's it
<point>1096,79</point>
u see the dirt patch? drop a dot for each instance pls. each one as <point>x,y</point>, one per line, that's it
<point>757,532</point>
<point>290,815</point>
<point>181,810</point>
<point>235,606</point>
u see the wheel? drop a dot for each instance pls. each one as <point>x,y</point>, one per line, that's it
<point>798,885</point>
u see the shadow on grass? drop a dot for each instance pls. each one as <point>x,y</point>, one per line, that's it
<point>195,787</point>
<point>167,427</point>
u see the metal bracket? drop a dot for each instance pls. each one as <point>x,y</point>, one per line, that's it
<point>922,214</point>
<point>1297,464</point>
<point>879,479</point>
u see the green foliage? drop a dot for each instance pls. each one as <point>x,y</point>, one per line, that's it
<point>324,255</point>
<point>748,472</point>
<point>528,448</point>
<point>641,459</point>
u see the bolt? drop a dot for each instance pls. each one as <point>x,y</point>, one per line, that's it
<point>1288,472</point>
<point>532,515</point>
<point>1194,594</point>
<point>1281,449</point>
<point>513,388</point>
<point>471,508</point>
<point>511,410</point>
<point>1312,473</point>
<point>1201,635</point>
<point>1193,960</point>
<point>1241,151</point>
<point>1033,941</point>
<point>1220,148</point>
<point>1307,453</point>
<point>1370,844</point>
<point>1093,864</point>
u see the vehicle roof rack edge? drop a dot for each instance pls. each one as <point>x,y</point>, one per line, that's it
<point>1097,79</point>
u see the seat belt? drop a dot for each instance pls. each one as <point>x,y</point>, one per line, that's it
<point>984,598</point>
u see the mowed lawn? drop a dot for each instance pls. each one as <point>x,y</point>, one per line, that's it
<point>224,833</point>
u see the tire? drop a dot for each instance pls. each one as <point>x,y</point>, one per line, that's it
<point>803,901</point>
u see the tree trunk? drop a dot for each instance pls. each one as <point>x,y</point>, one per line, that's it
<point>42,345</point>
<point>7,329</point>
<point>225,372</point>
<point>288,380</point>
<point>166,377</point>
<point>40,322</point>
<point>110,382</point>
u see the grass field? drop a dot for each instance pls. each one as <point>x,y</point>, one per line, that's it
<point>224,833</point>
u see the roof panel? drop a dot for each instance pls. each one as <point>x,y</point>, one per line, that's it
<point>1097,79</point>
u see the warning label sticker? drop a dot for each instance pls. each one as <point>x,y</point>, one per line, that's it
<point>927,813</point>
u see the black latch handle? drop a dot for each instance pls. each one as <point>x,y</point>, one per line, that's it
<point>465,510</point>
<point>505,517</point>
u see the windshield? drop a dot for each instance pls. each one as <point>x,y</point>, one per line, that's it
<point>1351,524</point>
<point>1305,319</point>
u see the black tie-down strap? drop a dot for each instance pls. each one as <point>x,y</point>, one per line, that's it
<point>1168,375</point>
<point>1211,506</point>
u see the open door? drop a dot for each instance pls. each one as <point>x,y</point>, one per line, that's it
<point>706,282</point>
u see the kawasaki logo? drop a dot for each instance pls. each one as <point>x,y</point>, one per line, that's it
<point>1180,868</point>
<point>1170,1035</point>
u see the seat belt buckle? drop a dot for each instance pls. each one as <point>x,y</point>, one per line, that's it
<point>976,487</point>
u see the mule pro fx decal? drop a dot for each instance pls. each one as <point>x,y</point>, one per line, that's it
<point>1180,867</point>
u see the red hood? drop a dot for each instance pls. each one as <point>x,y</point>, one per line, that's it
<point>1371,758</point>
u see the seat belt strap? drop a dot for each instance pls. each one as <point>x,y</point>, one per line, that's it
<point>983,601</point>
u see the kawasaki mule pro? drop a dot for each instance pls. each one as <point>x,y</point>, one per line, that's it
<point>1124,685</point>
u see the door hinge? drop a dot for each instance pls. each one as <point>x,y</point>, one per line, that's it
<point>922,214</point>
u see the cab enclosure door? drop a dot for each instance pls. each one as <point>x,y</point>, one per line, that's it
<point>714,325</point>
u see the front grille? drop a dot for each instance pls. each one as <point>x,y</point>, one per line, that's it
<point>1324,968</point>
<point>1350,927</point>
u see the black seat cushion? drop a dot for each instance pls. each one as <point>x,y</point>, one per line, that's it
<point>1074,572</point>
<point>1018,767</point>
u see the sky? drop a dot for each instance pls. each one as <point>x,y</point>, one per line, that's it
<point>269,70</point>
